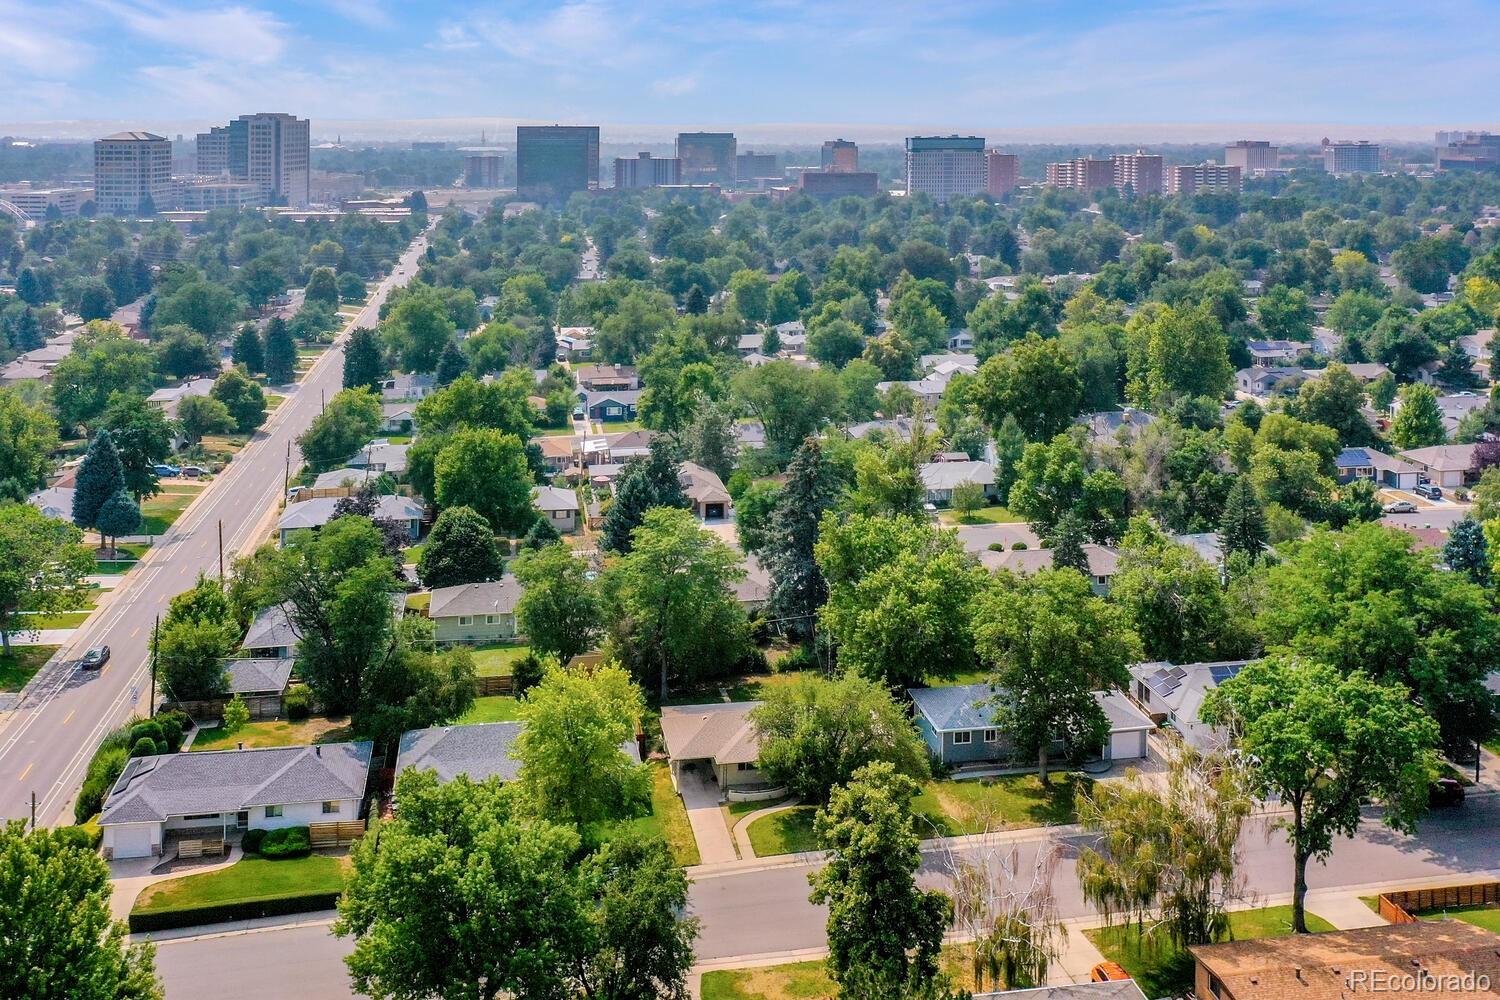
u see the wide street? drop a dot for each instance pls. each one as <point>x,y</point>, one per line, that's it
<point>46,743</point>
<point>762,909</point>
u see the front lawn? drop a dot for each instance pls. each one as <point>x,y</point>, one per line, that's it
<point>984,515</point>
<point>957,808</point>
<point>807,980</point>
<point>274,733</point>
<point>247,880</point>
<point>21,664</point>
<point>57,619</point>
<point>1162,970</point>
<point>787,832</point>
<point>495,659</point>
<point>492,708</point>
<point>668,819</point>
<point>1484,915</point>
<point>160,512</point>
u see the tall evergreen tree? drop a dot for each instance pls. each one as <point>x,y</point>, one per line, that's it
<point>1468,552</point>
<point>798,588</point>
<point>451,364</point>
<point>696,303</point>
<point>248,349</point>
<point>120,515</point>
<point>281,353</point>
<point>364,363</point>
<point>643,484</point>
<point>100,477</point>
<point>1243,526</point>
<point>1068,536</point>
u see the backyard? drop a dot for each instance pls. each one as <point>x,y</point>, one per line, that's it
<point>492,708</point>
<point>247,880</point>
<point>21,664</point>
<point>496,659</point>
<point>274,733</point>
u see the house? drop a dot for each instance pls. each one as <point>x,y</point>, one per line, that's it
<point>1269,352</point>
<point>948,364</point>
<point>1104,563</point>
<point>610,404</point>
<point>558,506</point>
<point>718,738</point>
<point>224,791</point>
<point>55,501</point>
<point>960,340</point>
<point>603,475</point>
<point>606,377</point>
<point>345,478</point>
<point>749,343</point>
<point>309,515</point>
<point>168,399</point>
<point>750,434</point>
<point>1111,425</point>
<point>1385,470</point>
<point>397,418</point>
<point>705,491</point>
<point>575,343</point>
<point>558,452</point>
<point>754,590</point>
<point>1113,989</point>
<point>475,612</point>
<point>260,682</point>
<point>1431,957</point>
<point>1365,371</point>
<point>901,427</point>
<point>407,388</point>
<point>941,478</point>
<point>271,635</point>
<point>1445,464</point>
<point>928,389</point>
<point>381,456</point>
<point>959,725</point>
<point>624,446</point>
<point>1258,381</point>
<point>479,751</point>
<point>1172,695</point>
<point>1476,345</point>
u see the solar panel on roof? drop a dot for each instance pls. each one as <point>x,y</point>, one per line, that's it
<point>1220,674</point>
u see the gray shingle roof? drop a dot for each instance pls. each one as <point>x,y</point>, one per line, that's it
<point>496,597</point>
<point>721,732</point>
<point>550,498</point>
<point>259,675</point>
<point>271,629</point>
<point>965,706</point>
<point>319,511</point>
<point>479,751</point>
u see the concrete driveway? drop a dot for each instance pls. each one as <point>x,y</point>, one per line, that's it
<point>701,797</point>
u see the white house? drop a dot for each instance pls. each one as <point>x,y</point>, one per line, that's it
<point>1174,693</point>
<point>941,478</point>
<point>227,791</point>
<point>313,514</point>
<point>558,506</point>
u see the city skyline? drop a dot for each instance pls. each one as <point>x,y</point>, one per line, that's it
<point>683,65</point>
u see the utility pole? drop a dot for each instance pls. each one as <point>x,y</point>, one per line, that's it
<point>286,475</point>
<point>33,810</point>
<point>322,400</point>
<point>155,634</point>
<point>221,552</point>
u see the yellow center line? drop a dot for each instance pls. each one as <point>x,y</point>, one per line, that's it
<point>27,771</point>
<point>136,632</point>
<point>70,717</point>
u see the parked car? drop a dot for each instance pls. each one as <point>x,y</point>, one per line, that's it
<point>194,471</point>
<point>1445,793</point>
<point>95,658</point>
<point>1107,972</point>
<point>1400,507</point>
<point>291,494</point>
<point>1429,491</point>
<point>167,470</point>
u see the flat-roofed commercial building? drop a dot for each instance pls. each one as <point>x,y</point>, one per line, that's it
<point>1189,180</point>
<point>839,183</point>
<point>840,156</point>
<point>132,173</point>
<point>707,157</point>
<point>1002,173</point>
<point>1251,155</point>
<point>553,161</point>
<point>1346,157</point>
<point>35,201</point>
<point>752,166</point>
<point>944,167</point>
<point>644,170</point>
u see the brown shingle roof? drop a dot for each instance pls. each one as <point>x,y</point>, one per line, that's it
<point>721,732</point>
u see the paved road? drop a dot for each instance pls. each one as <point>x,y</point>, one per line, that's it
<point>762,911</point>
<point>45,744</point>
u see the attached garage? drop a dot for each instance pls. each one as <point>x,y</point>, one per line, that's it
<point>132,840</point>
<point>1128,727</point>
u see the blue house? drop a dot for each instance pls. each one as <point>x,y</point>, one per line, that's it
<point>959,726</point>
<point>1385,470</point>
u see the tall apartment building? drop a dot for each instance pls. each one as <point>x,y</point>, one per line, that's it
<point>1002,172</point>
<point>132,171</point>
<point>1141,172</point>
<point>1251,155</point>
<point>1082,173</point>
<point>707,157</point>
<point>1348,157</point>
<point>945,166</point>
<point>840,156</point>
<point>269,149</point>
<point>644,170</point>
<point>483,170</point>
<point>1206,176</point>
<point>751,166</point>
<point>553,161</point>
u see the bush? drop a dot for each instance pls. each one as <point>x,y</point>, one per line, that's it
<point>173,725</point>
<point>288,842</point>
<point>104,770</point>
<point>144,747</point>
<point>85,837</point>
<point>236,715</point>
<point>1018,546</point>
<point>801,658</point>
<point>193,916</point>
<point>149,729</point>
<point>525,674</point>
<point>250,843</point>
<point>297,703</point>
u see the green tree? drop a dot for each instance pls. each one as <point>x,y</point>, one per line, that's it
<point>103,362</point>
<point>205,306</point>
<point>1049,643</point>
<point>754,511</point>
<point>100,477</point>
<point>791,402</point>
<point>28,437</point>
<point>348,422</point>
<point>1176,352</point>
<point>120,515</point>
<point>1284,314</point>
<point>460,549</point>
<point>1419,421</point>
<point>281,353</point>
<point>710,439</point>
<point>469,403</point>
<point>201,415</point>
<point>417,329</point>
<point>559,609</point>
<point>644,483</point>
<point>1324,742</point>
<point>1354,313</point>
<point>1243,526</point>
<point>816,733</point>
<point>1336,399</point>
<point>867,828</point>
<point>414,687</point>
<point>190,655</point>
<point>450,365</point>
<point>798,588</point>
<point>248,351</point>
<point>750,295</point>
<point>967,499</point>
<point>486,470</point>
<point>364,362</point>
<point>1051,480</point>
<point>322,286</point>
<point>1033,381</point>
<point>1067,538</point>
<point>1467,551</point>
<point>242,398</point>
<point>42,566</point>
<point>57,939</point>
<point>181,353</point>
<point>1174,600</point>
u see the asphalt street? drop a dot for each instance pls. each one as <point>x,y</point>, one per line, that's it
<point>46,742</point>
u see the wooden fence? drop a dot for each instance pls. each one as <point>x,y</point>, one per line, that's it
<point>260,706</point>
<point>493,685</point>
<point>336,834</point>
<point>1400,906</point>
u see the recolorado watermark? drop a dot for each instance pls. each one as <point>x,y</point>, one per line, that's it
<point>1421,981</point>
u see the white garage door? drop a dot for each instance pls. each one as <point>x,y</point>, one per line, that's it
<point>1126,746</point>
<point>132,841</point>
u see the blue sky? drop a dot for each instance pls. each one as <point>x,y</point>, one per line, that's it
<point>982,62</point>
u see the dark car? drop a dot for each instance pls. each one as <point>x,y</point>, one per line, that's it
<point>1445,793</point>
<point>1429,491</point>
<point>95,658</point>
<point>193,471</point>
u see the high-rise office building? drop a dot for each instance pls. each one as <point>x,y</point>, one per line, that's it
<point>1469,151</point>
<point>1347,157</point>
<point>644,170</point>
<point>945,166</point>
<point>553,161</point>
<point>483,170</point>
<point>840,156</point>
<point>1251,155</point>
<point>1207,176</point>
<point>1002,172</point>
<point>269,149</point>
<point>132,173</point>
<point>707,157</point>
<point>751,166</point>
<point>827,184</point>
<point>1082,173</point>
<point>1140,172</point>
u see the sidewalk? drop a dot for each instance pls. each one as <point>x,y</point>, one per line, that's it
<point>128,878</point>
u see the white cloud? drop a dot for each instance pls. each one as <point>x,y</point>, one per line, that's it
<point>676,86</point>
<point>235,33</point>
<point>581,33</point>
<point>370,13</point>
<point>39,41</point>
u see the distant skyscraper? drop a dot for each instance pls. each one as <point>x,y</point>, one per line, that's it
<point>945,166</point>
<point>840,156</point>
<point>1469,151</point>
<point>553,161</point>
<point>645,170</point>
<point>750,166</point>
<point>483,170</point>
<point>212,151</point>
<point>1002,171</point>
<point>1208,176</point>
<point>707,157</point>
<point>1346,157</point>
<point>132,172</point>
<point>1251,155</point>
<point>269,149</point>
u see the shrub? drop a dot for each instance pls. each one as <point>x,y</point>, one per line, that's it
<point>144,747</point>
<point>236,715</point>
<point>196,916</point>
<point>104,770</point>
<point>801,658</point>
<point>288,842</point>
<point>251,842</point>
<point>297,704</point>
<point>1018,546</point>
<point>997,546</point>
<point>171,729</point>
<point>526,673</point>
<point>149,729</point>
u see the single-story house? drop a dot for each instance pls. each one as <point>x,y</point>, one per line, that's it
<point>603,474</point>
<point>960,340</point>
<point>928,389</point>
<point>1365,371</point>
<point>941,478</point>
<point>475,612</point>
<point>1110,425</point>
<point>754,590</point>
<point>959,725</point>
<point>558,452</point>
<point>575,343</point>
<point>21,370</point>
<point>1258,381</point>
<point>1445,464</point>
<point>271,635</point>
<point>558,506</point>
<point>397,418</point>
<point>1172,694</point>
<point>480,751</point>
<point>168,398</point>
<point>55,501</point>
<point>224,791</point>
<point>1271,351</point>
<point>380,456</point>
<point>610,404</point>
<point>900,427</point>
<point>606,377</point>
<point>260,682</point>
<point>1385,470</point>
<point>750,343</point>
<point>1476,345</point>
<point>344,478</point>
<point>624,445</point>
<point>948,364</point>
<point>718,737</point>
<point>407,388</point>
<point>705,491</point>
<point>309,515</point>
<point>1104,562</point>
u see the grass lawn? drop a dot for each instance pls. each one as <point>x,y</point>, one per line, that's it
<point>668,819</point>
<point>807,980</point>
<point>957,808</point>
<point>619,426</point>
<point>787,832</point>
<point>273,401</point>
<point>495,659</point>
<point>160,512</point>
<point>58,619</point>
<point>274,733</point>
<point>1167,971</point>
<point>493,708</point>
<point>984,515</point>
<point>21,663</point>
<point>130,554</point>
<point>419,602</point>
<point>246,880</point>
<point>548,432</point>
<point>412,554</point>
<point>1482,915</point>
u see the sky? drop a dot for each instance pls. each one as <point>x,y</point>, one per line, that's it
<point>978,64</point>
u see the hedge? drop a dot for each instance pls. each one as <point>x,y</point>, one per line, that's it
<point>217,913</point>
